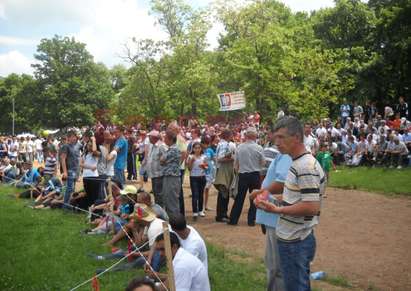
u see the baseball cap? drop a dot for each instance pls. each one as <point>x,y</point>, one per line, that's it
<point>129,189</point>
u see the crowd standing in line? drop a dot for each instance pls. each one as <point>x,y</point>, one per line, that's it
<point>284,167</point>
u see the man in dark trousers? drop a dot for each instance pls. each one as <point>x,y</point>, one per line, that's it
<point>249,160</point>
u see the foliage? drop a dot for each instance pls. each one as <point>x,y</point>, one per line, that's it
<point>385,181</point>
<point>23,90</point>
<point>73,86</point>
<point>305,64</point>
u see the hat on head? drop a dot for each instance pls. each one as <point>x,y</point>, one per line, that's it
<point>154,133</point>
<point>129,189</point>
<point>143,212</point>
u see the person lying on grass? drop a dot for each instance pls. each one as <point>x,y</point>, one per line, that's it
<point>152,227</point>
<point>51,191</point>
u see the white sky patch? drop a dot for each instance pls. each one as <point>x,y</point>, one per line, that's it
<point>104,25</point>
<point>14,62</point>
<point>17,41</point>
<point>112,24</point>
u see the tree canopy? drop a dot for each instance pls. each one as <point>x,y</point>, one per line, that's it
<point>305,64</point>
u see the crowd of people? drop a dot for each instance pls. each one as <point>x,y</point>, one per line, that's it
<point>283,166</point>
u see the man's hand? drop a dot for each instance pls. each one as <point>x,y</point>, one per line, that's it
<point>267,206</point>
<point>149,271</point>
<point>64,176</point>
<point>256,192</point>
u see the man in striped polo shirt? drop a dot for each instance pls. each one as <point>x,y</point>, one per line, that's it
<point>301,203</point>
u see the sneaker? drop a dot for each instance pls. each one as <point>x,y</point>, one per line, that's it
<point>202,214</point>
<point>195,216</point>
<point>399,167</point>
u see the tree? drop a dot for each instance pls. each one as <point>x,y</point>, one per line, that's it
<point>23,90</point>
<point>73,86</point>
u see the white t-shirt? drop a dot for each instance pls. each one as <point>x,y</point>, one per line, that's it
<point>106,167</point>
<point>38,144</point>
<point>310,143</point>
<point>196,170</point>
<point>321,131</point>
<point>30,146</point>
<point>90,161</point>
<point>195,245</point>
<point>13,148</point>
<point>189,273</point>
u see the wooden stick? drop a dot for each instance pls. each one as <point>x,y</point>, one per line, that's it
<point>111,198</point>
<point>169,256</point>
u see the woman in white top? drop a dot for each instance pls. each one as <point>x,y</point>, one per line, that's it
<point>197,164</point>
<point>105,166</point>
<point>90,174</point>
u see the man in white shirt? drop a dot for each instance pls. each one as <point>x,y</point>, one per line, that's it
<point>310,142</point>
<point>38,144</point>
<point>30,149</point>
<point>189,272</point>
<point>189,238</point>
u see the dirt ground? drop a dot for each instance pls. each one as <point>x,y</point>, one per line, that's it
<point>362,236</point>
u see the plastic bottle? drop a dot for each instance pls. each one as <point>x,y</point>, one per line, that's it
<point>317,275</point>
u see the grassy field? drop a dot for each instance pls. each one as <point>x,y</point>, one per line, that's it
<point>381,180</point>
<point>45,250</point>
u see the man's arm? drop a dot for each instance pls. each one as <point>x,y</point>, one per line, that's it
<point>303,208</point>
<point>63,157</point>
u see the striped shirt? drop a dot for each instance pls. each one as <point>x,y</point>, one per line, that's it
<point>305,182</point>
<point>50,166</point>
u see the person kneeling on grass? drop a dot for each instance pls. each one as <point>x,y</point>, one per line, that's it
<point>153,227</point>
<point>189,272</point>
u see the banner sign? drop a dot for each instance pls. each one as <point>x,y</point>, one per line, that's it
<point>231,101</point>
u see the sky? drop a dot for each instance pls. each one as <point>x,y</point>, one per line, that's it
<point>103,25</point>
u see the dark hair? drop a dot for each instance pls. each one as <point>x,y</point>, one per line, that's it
<point>171,135</point>
<point>173,239</point>
<point>178,222</point>
<point>196,144</point>
<point>292,125</point>
<point>139,282</point>
<point>226,133</point>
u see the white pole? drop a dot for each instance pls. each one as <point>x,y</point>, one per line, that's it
<point>13,119</point>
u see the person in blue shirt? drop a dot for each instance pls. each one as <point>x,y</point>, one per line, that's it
<point>273,183</point>
<point>209,152</point>
<point>30,178</point>
<point>121,147</point>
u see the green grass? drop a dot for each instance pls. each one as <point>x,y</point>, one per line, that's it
<point>380,180</point>
<point>339,281</point>
<point>44,250</point>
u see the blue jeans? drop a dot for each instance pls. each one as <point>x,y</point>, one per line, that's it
<point>295,258</point>
<point>70,184</point>
<point>119,175</point>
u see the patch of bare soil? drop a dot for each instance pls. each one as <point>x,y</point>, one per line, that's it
<point>364,237</point>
